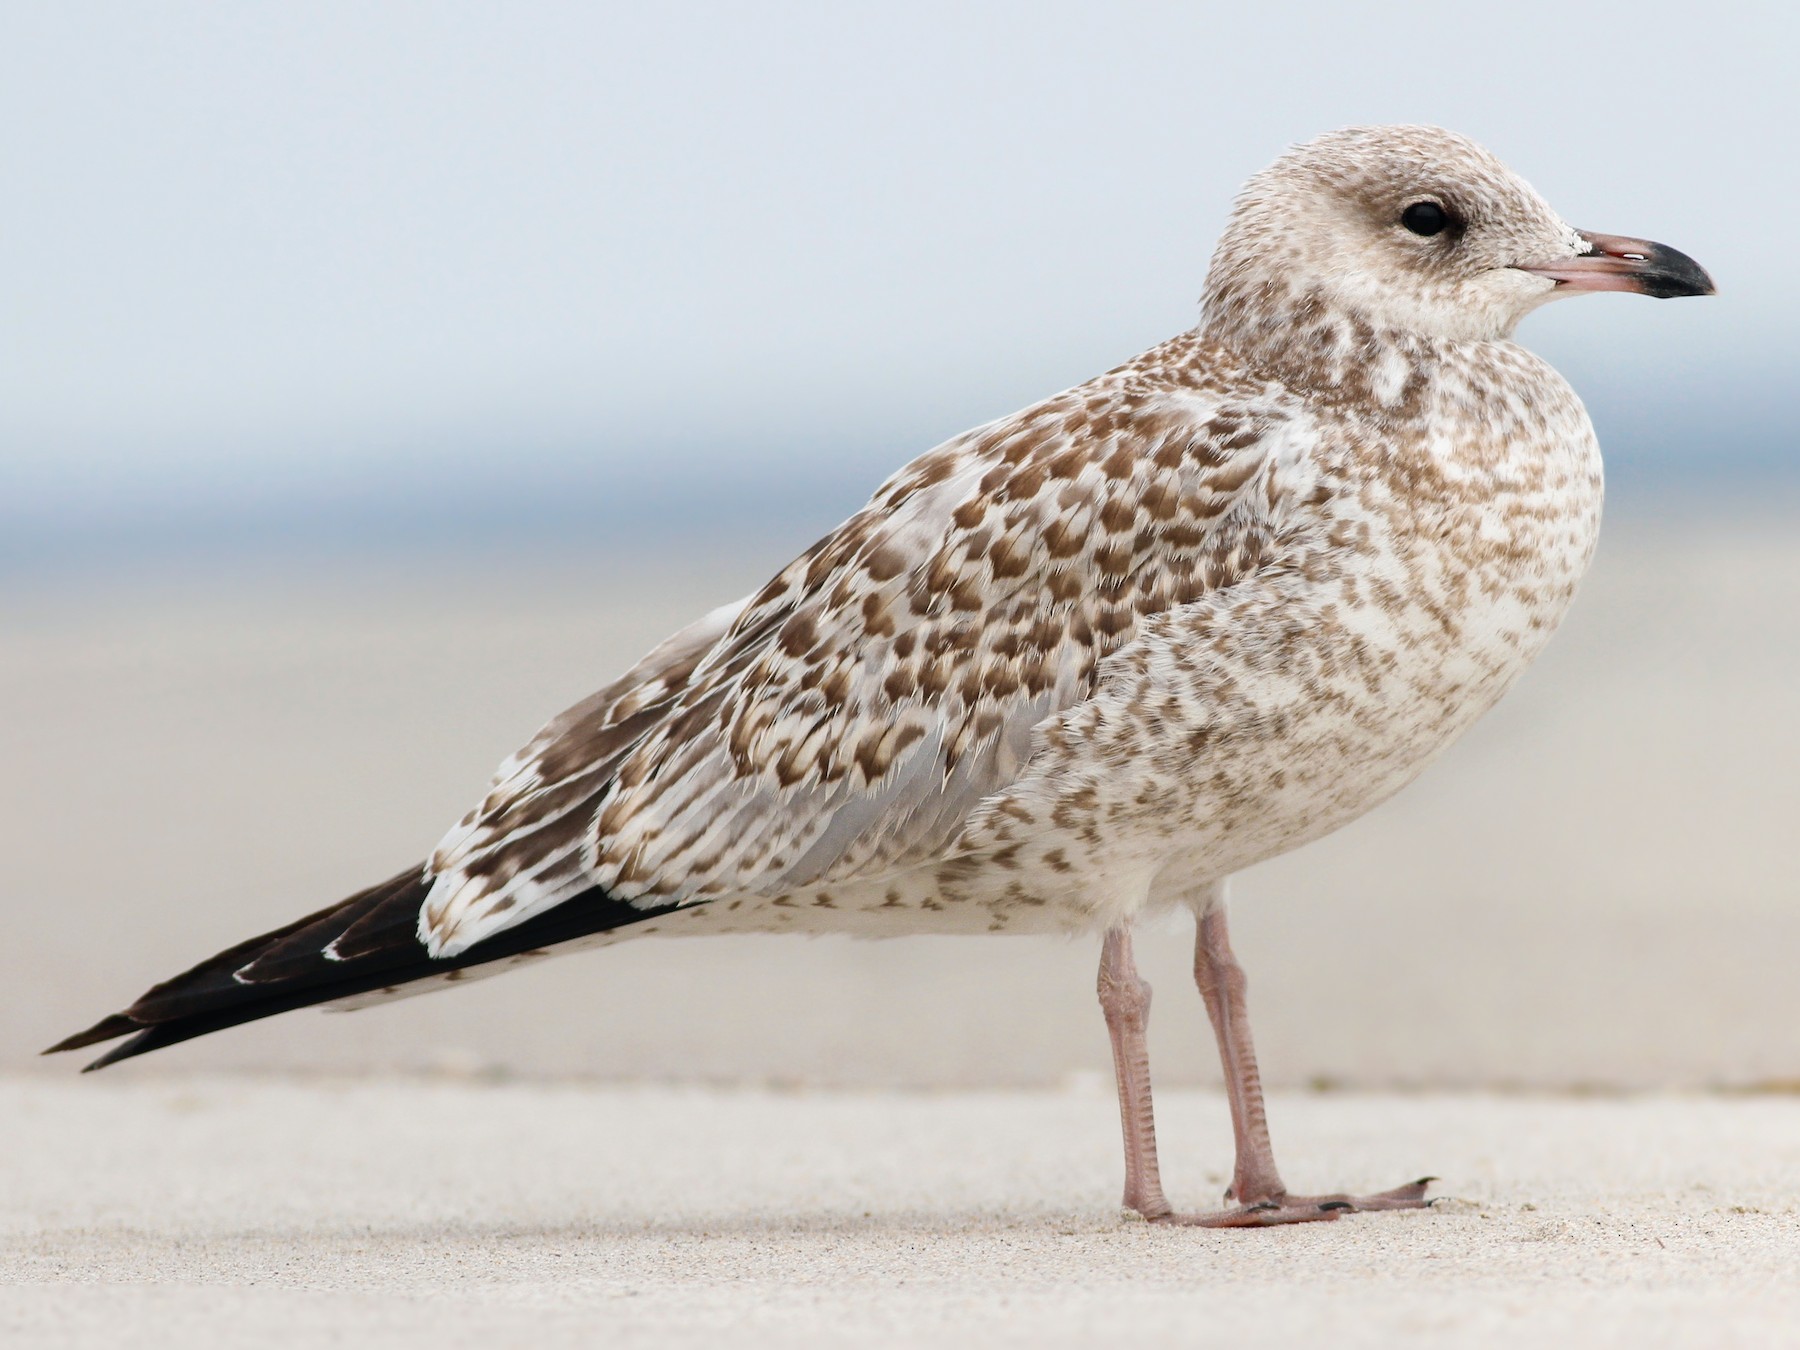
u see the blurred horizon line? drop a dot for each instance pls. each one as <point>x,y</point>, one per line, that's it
<point>557,497</point>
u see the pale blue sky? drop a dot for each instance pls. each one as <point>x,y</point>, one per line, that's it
<point>283,261</point>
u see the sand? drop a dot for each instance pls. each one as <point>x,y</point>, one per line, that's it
<point>236,1211</point>
<point>1595,887</point>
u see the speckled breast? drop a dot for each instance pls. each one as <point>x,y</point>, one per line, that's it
<point>1279,710</point>
<point>1458,552</point>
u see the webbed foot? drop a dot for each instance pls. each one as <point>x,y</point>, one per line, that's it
<point>1282,1209</point>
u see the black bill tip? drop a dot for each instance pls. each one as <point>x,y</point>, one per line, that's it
<point>1668,272</point>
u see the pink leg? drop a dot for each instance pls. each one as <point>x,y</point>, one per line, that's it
<point>1125,999</point>
<point>1223,987</point>
<point>1256,1185</point>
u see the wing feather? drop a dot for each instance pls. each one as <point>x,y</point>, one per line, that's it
<point>845,721</point>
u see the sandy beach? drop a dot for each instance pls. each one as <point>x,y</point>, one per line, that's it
<point>1571,946</point>
<point>379,380</point>
<point>222,1211</point>
<point>1594,888</point>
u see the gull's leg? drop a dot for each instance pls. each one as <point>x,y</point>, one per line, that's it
<point>1256,1185</point>
<point>1222,987</point>
<point>1125,999</point>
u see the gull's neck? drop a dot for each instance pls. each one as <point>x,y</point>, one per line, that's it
<point>1321,351</point>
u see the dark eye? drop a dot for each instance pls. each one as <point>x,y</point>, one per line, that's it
<point>1426,218</point>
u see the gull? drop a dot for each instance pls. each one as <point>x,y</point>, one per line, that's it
<point>1079,664</point>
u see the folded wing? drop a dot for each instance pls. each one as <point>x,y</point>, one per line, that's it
<point>852,714</point>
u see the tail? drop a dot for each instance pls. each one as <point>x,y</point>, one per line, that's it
<point>366,944</point>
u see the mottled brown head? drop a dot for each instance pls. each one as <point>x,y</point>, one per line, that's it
<point>1413,230</point>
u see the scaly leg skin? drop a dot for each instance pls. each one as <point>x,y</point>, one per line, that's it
<point>1256,1186</point>
<point>1125,999</point>
<point>1257,1190</point>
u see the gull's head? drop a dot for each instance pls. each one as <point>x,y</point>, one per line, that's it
<point>1416,230</point>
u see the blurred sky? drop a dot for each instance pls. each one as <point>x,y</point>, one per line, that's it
<point>358,275</point>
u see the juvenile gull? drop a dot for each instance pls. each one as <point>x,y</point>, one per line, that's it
<point>1083,662</point>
